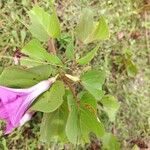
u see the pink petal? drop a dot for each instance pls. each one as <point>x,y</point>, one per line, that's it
<point>3,113</point>
<point>27,116</point>
<point>15,102</point>
<point>13,108</point>
<point>9,127</point>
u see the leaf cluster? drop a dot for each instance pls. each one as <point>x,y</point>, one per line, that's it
<point>70,106</point>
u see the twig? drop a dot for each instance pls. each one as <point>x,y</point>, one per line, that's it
<point>67,82</point>
<point>71,87</point>
<point>51,46</point>
<point>4,50</point>
<point>36,61</point>
<point>34,1</point>
<point>146,32</point>
<point>147,37</point>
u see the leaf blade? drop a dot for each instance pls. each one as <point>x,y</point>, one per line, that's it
<point>36,51</point>
<point>88,57</point>
<point>110,142</point>
<point>70,50</point>
<point>85,26</point>
<point>111,106</point>
<point>92,81</point>
<point>44,25</point>
<point>72,125</point>
<point>19,77</point>
<point>50,100</point>
<point>100,32</point>
<point>53,124</point>
<point>89,123</point>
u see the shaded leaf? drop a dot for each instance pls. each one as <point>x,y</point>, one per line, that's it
<point>54,26</point>
<point>53,124</point>
<point>51,99</point>
<point>1,69</point>
<point>111,106</point>
<point>89,123</point>
<point>135,147</point>
<point>100,32</point>
<point>110,142</point>
<point>43,71</point>
<point>30,62</point>
<point>88,99</point>
<point>72,126</point>
<point>23,35</point>
<point>82,121</point>
<point>36,51</point>
<point>92,81</point>
<point>20,77</point>
<point>70,50</point>
<point>131,69</point>
<point>43,24</point>
<point>88,57</point>
<point>85,26</point>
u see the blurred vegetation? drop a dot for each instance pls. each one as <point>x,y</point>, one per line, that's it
<point>126,55</point>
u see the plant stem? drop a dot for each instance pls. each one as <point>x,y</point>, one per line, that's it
<point>36,61</point>
<point>51,46</point>
<point>71,87</point>
<point>34,1</point>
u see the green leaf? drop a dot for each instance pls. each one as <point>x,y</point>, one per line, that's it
<point>95,78</point>
<point>92,81</point>
<point>1,69</point>
<point>85,26</point>
<point>43,25</point>
<point>89,123</point>
<point>110,142</point>
<point>54,26</point>
<point>86,59</point>
<point>111,106</point>
<point>131,69</point>
<point>88,117</point>
<point>20,77</point>
<point>100,32</point>
<point>23,35</point>
<point>30,62</point>
<point>53,124</point>
<point>135,147</point>
<point>36,51</point>
<point>42,71</point>
<point>50,100</point>
<point>82,120</point>
<point>88,99</point>
<point>70,50</point>
<point>72,126</point>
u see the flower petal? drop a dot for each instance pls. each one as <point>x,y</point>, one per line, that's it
<point>27,116</point>
<point>9,127</point>
<point>12,108</point>
<point>15,102</point>
<point>3,113</point>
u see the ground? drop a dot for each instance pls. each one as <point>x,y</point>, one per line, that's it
<point>126,55</point>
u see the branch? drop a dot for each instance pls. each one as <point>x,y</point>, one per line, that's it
<point>146,31</point>
<point>51,46</point>
<point>34,1</point>
<point>147,35</point>
<point>71,87</point>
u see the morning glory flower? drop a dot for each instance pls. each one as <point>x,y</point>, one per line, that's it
<point>26,117</point>
<point>14,103</point>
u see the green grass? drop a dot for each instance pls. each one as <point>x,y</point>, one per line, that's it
<point>133,92</point>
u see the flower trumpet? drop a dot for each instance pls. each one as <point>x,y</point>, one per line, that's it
<point>14,103</point>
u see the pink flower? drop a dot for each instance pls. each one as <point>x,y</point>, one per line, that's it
<point>14,103</point>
